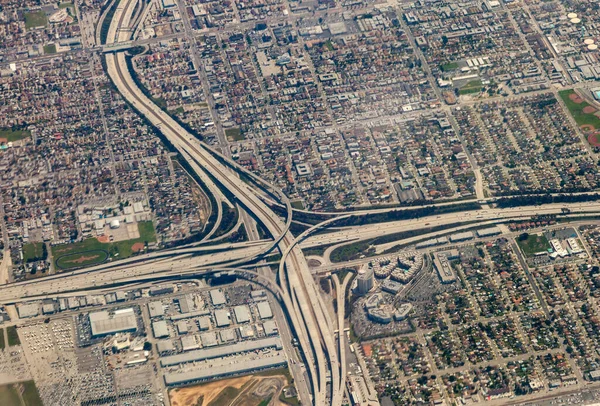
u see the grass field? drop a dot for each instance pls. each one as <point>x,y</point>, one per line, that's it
<point>35,19</point>
<point>576,110</point>
<point>33,251</point>
<point>533,244</point>
<point>297,204</point>
<point>12,136</point>
<point>89,252</point>
<point>235,134</point>
<point>449,66</point>
<point>473,86</point>
<point>2,343</point>
<point>9,395</point>
<point>31,396</point>
<point>13,337</point>
<point>49,49</point>
<point>82,259</point>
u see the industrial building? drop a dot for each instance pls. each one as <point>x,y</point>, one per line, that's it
<point>204,323</point>
<point>242,314</point>
<point>217,297</point>
<point>225,368</point>
<point>246,331</point>
<point>222,318</point>
<point>160,329</point>
<point>209,339</point>
<point>432,243</point>
<point>270,328</point>
<point>222,351</point>
<point>488,232</point>
<point>182,327</point>
<point>227,335</point>
<point>467,235</point>
<point>165,346</point>
<point>264,310</point>
<point>189,343</point>
<point>186,303</point>
<point>104,323</point>
<point>28,310</point>
<point>156,309</point>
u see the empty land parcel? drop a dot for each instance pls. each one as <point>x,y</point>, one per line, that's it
<point>20,394</point>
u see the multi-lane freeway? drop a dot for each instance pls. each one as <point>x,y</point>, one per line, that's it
<point>310,318</point>
<point>300,294</point>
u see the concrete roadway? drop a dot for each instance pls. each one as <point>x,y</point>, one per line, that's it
<point>356,233</point>
<point>89,278</point>
<point>201,160</point>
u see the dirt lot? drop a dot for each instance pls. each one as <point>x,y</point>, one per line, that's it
<point>246,391</point>
<point>190,395</point>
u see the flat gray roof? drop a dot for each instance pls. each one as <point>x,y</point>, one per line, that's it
<point>190,315</point>
<point>264,310</point>
<point>160,329</point>
<point>242,313</point>
<point>217,297</point>
<point>165,345</point>
<point>103,323</point>
<point>156,309</point>
<point>222,318</point>
<point>216,371</point>
<point>221,351</point>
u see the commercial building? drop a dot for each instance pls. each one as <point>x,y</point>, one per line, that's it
<point>364,280</point>
<point>222,351</point>
<point>391,286</point>
<point>403,311</point>
<point>104,323</point>
<point>443,267</point>
<point>379,315</point>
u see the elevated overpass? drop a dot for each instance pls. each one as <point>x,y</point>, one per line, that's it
<point>300,294</point>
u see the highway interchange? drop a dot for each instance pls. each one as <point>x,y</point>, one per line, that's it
<point>309,316</point>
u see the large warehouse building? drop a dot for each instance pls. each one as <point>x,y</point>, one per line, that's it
<point>224,368</point>
<point>104,323</point>
<point>222,351</point>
